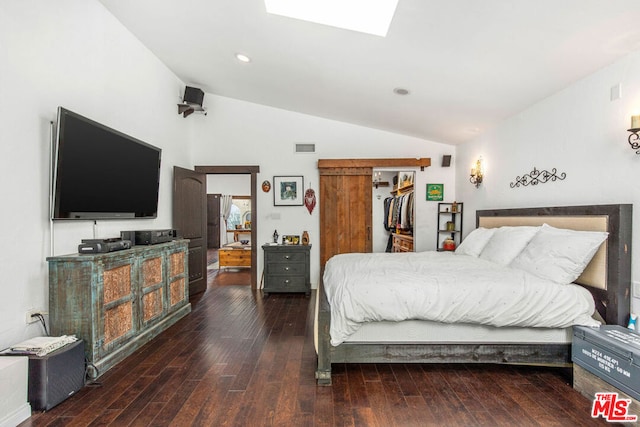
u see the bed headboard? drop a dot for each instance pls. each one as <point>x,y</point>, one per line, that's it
<point>608,275</point>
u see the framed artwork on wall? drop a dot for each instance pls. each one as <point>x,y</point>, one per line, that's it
<point>435,192</point>
<point>288,190</point>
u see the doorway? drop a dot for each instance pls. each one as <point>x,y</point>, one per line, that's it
<point>252,171</point>
<point>233,253</point>
<point>392,208</point>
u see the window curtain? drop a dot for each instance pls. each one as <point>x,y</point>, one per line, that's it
<point>225,210</point>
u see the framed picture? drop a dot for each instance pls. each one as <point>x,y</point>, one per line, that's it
<point>290,240</point>
<point>435,192</point>
<point>288,190</point>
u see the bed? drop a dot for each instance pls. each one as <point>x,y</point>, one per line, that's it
<point>607,279</point>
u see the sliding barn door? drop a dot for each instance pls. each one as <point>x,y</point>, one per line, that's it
<point>345,211</point>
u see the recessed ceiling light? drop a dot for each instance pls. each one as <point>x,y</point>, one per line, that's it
<point>242,58</point>
<point>401,91</point>
<point>365,16</point>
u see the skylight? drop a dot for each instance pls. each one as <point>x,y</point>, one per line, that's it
<point>365,16</point>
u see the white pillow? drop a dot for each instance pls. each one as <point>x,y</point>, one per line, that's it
<point>558,254</point>
<point>475,241</point>
<point>506,243</point>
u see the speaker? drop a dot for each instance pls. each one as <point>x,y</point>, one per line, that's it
<point>56,376</point>
<point>446,161</point>
<point>193,95</point>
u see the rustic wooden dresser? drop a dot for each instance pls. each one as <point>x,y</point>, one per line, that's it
<point>118,301</point>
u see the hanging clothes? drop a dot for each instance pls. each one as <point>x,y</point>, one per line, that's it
<point>398,212</point>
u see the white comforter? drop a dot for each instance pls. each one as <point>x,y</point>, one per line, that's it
<point>449,288</point>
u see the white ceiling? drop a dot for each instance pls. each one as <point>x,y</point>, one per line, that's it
<point>468,64</point>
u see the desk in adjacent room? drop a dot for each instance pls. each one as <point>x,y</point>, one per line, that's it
<point>239,231</point>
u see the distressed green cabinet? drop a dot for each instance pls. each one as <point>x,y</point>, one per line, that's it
<point>118,301</point>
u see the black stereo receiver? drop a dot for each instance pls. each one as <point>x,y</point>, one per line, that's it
<point>149,237</point>
<point>96,246</point>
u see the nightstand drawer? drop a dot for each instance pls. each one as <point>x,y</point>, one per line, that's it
<point>285,256</point>
<point>285,269</point>
<point>283,283</point>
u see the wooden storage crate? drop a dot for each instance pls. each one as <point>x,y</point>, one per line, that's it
<point>234,257</point>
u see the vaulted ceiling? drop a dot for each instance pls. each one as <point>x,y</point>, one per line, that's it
<point>467,64</point>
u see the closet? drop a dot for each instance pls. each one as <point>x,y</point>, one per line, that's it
<point>399,213</point>
<point>345,202</point>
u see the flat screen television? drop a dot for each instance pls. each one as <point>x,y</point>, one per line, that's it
<point>100,173</point>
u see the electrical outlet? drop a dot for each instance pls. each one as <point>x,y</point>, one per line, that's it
<point>33,319</point>
<point>635,289</point>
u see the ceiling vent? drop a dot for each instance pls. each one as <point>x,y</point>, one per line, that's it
<point>305,148</point>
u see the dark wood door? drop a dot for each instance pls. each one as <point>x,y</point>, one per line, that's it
<point>190,219</point>
<point>213,221</point>
<point>345,211</point>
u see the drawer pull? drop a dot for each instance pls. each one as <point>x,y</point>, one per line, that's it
<point>286,269</point>
<point>287,281</point>
<point>287,257</point>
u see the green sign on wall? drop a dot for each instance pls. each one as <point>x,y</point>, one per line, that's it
<point>435,192</point>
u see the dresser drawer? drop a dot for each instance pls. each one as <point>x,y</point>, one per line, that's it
<point>285,269</point>
<point>282,256</point>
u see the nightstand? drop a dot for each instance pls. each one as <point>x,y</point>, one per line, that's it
<point>286,268</point>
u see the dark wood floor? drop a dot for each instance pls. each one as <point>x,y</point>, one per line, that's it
<point>243,360</point>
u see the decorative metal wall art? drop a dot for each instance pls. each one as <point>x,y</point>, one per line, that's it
<point>633,140</point>
<point>536,177</point>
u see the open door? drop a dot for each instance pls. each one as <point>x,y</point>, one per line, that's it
<point>190,219</point>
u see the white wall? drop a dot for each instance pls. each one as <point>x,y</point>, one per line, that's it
<point>76,54</point>
<point>234,185</point>
<point>579,131</point>
<point>241,133</point>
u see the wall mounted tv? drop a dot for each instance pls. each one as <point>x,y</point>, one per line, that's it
<point>100,173</point>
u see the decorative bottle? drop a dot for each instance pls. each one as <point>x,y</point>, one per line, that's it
<point>305,238</point>
<point>275,236</point>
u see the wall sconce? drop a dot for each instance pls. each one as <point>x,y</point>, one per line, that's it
<point>634,138</point>
<point>377,180</point>
<point>477,173</point>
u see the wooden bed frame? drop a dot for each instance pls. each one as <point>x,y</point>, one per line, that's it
<point>609,283</point>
